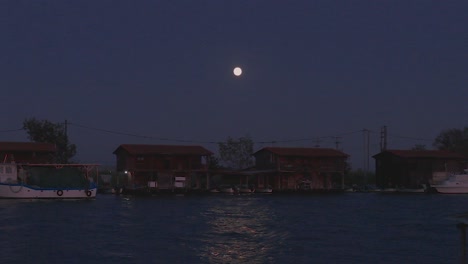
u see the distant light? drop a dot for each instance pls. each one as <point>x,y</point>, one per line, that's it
<point>237,71</point>
<point>125,172</point>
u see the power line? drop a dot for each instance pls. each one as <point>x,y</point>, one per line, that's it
<point>317,140</point>
<point>206,142</point>
<point>140,136</point>
<point>410,138</point>
<point>11,130</point>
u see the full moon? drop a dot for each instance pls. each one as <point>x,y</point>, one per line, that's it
<point>237,71</point>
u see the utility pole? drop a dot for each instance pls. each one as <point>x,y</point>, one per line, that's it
<point>383,138</point>
<point>366,137</point>
<point>368,150</point>
<point>317,143</point>
<point>66,128</point>
<point>337,143</point>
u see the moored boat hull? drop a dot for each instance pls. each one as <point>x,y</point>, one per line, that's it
<point>454,184</point>
<point>421,190</point>
<point>226,190</point>
<point>229,191</point>
<point>18,191</point>
<point>451,189</point>
<point>265,190</point>
<point>47,181</point>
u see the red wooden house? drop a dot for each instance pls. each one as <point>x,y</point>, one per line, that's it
<point>27,152</point>
<point>412,168</point>
<point>300,168</point>
<point>162,167</point>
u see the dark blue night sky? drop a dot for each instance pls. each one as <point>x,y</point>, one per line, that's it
<point>163,69</point>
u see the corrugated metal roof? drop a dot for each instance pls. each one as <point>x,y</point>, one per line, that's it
<point>27,147</point>
<point>141,149</point>
<point>439,154</point>
<point>304,152</point>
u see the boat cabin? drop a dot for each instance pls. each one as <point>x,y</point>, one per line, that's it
<point>8,173</point>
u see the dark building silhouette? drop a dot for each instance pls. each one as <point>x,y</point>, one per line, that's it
<point>411,168</point>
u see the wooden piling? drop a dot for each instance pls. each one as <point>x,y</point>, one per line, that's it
<point>462,228</point>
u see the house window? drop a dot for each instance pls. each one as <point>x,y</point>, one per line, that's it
<point>140,158</point>
<point>8,170</point>
<point>1,169</point>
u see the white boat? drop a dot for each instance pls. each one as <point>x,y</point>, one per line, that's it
<point>421,189</point>
<point>214,190</point>
<point>386,190</point>
<point>456,184</point>
<point>226,189</point>
<point>244,189</point>
<point>267,189</point>
<point>411,190</point>
<point>47,181</point>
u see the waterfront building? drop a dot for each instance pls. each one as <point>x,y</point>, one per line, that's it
<point>412,168</point>
<point>300,168</point>
<point>162,167</point>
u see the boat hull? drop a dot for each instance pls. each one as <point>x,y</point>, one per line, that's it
<point>411,190</point>
<point>245,191</point>
<point>18,191</point>
<point>226,190</point>
<point>451,189</point>
<point>455,183</point>
<point>386,190</point>
<point>267,190</point>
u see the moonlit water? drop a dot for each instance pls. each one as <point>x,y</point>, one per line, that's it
<point>338,228</point>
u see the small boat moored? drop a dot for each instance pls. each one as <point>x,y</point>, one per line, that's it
<point>420,189</point>
<point>266,189</point>
<point>226,189</point>
<point>244,189</point>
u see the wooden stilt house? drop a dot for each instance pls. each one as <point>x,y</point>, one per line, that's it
<point>301,168</point>
<point>162,167</point>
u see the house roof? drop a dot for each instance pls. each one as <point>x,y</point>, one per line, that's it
<point>141,149</point>
<point>435,154</point>
<point>304,152</point>
<point>27,147</point>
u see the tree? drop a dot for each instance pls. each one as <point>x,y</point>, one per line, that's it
<point>45,131</point>
<point>236,154</point>
<point>214,163</point>
<point>454,139</point>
